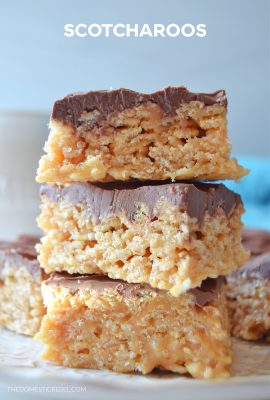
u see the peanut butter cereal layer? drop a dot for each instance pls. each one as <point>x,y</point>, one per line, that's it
<point>125,135</point>
<point>21,304</point>
<point>95,322</point>
<point>170,236</point>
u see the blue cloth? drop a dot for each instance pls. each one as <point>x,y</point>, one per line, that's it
<point>255,192</point>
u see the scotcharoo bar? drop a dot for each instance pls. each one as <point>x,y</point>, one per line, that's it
<point>102,136</point>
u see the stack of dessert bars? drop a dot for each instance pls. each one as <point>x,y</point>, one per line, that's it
<point>136,245</point>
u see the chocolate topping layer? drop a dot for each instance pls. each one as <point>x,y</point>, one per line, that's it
<point>257,267</point>
<point>24,246</point>
<point>104,102</point>
<point>21,251</point>
<point>209,290</point>
<point>101,200</point>
<point>256,241</point>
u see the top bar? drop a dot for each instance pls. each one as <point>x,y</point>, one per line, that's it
<point>122,135</point>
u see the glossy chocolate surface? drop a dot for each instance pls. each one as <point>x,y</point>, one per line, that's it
<point>71,109</point>
<point>209,290</point>
<point>101,200</point>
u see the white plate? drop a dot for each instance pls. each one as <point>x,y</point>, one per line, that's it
<point>24,375</point>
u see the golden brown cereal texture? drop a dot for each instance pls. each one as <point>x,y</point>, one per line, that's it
<point>141,143</point>
<point>171,251</point>
<point>21,304</point>
<point>104,330</point>
<point>249,305</point>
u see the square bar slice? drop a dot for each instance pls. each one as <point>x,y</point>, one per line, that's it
<point>124,135</point>
<point>171,236</point>
<point>96,322</point>
<point>21,304</point>
<point>249,290</point>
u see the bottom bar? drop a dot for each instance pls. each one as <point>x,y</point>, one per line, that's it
<point>95,322</point>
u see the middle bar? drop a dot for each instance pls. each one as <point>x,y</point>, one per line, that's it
<point>171,236</point>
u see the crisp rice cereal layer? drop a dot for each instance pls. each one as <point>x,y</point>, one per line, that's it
<point>20,297</point>
<point>84,328</point>
<point>171,251</point>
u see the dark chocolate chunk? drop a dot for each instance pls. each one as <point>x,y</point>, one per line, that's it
<point>103,199</point>
<point>70,109</point>
<point>208,292</point>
